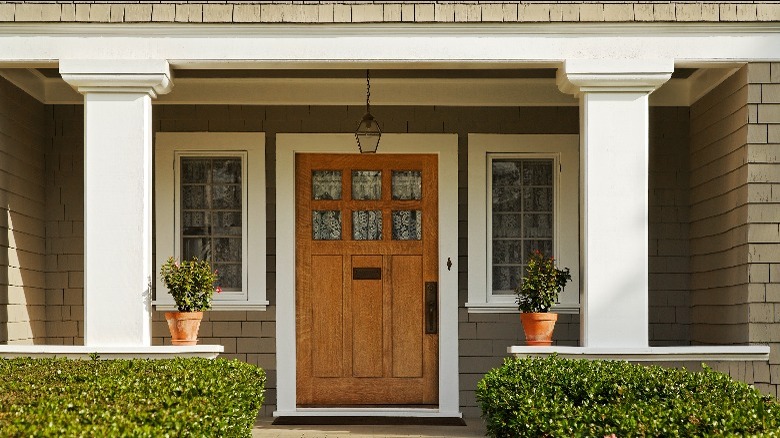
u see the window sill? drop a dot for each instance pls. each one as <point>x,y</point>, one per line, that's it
<point>571,309</point>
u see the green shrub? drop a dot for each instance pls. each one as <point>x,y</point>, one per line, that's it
<point>561,397</point>
<point>140,398</point>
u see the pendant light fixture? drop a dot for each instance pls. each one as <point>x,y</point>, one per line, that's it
<point>368,133</point>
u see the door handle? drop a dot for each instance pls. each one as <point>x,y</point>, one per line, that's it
<point>431,307</point>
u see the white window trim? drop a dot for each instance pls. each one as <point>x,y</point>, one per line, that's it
<point>169,148</point>
<point>484,147</point>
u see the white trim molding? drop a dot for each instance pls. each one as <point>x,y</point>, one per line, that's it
<point>443,145</point>
<point>151,76</point>
<point>565,150</point>
<point>250,146</point>
<point>593,75</point>
<point>202,45</point>
<point>707,353</point>
<point>87,352</point>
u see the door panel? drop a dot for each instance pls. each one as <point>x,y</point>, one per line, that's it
<point>407,305</point>
<point>367,319</point>
<point>327,316</point>
<point>366,244</point>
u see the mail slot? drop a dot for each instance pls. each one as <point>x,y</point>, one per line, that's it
<point>366,273</point>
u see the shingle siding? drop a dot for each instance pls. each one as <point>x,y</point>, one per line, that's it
<point>389,12</point>
<point>719,210</point>
<point>23,278</point>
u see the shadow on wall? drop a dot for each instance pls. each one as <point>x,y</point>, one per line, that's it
<point>22,309</point>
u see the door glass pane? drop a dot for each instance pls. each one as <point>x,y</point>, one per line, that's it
<point>212,211</point>
<point>326,224</point>
<point>407,225</point>
<point>522,217</point>
<point>367,225</point>
<point>407,184</point>
<point>326,184</point>
<point>366,184</point>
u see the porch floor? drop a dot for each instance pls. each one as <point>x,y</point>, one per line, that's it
<point>263,428</point>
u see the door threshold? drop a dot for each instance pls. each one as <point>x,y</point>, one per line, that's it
<point>389,412</point>
<point>364,420</point>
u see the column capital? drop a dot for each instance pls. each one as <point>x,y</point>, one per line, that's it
<point>578,76</point>
<point>149,76</point>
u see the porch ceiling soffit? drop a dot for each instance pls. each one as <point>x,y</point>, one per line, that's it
<point>500,91</point>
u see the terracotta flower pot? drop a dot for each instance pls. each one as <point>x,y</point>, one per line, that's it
<point>538,327</point>
<point>184,327</point>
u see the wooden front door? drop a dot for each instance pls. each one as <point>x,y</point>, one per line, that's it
<point>366,279</point>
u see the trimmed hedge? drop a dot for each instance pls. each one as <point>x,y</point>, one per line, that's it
<point>561,397</point>
<point>140,398</point>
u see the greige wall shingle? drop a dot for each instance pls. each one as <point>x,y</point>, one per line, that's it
<point>65,225</point>
<point>392,12</point>
<point>763,204</point>
<point>669,258</point>
<point>22,228</point>
<point>718,179</point>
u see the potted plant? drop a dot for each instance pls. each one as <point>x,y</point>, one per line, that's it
<point>538,291</point>
<point>192,285</point>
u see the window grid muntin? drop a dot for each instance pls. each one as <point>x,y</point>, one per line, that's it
<point>209,212</point>
<point>548,243</point>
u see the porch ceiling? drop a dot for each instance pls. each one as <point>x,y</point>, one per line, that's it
<point>533,86</point>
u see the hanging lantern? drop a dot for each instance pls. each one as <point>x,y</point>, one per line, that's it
<point>368,133</point>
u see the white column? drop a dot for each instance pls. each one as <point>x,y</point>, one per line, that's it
<point>614,195</point>
<point>117,195</point>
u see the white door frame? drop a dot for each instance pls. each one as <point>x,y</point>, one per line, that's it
<point>446,147</point>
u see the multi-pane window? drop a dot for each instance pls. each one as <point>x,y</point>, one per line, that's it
<point>521,216</point>
<point>523,194</point>
<point>211,215</point>
<point>210,203</point>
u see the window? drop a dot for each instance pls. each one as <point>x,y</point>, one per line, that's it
<point>523,196</point>
<point>210,204</point>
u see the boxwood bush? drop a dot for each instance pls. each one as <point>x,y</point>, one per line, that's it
<point>140,398</point>
<point>561,397</point>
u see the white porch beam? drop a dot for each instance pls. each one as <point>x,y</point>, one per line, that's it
<point>614,150</point>
<point>117,195</point>
<point>384,45</point>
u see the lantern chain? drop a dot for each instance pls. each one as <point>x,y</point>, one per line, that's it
<point>368,92</point>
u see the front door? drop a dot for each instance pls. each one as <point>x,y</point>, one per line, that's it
<point>366,280</point>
